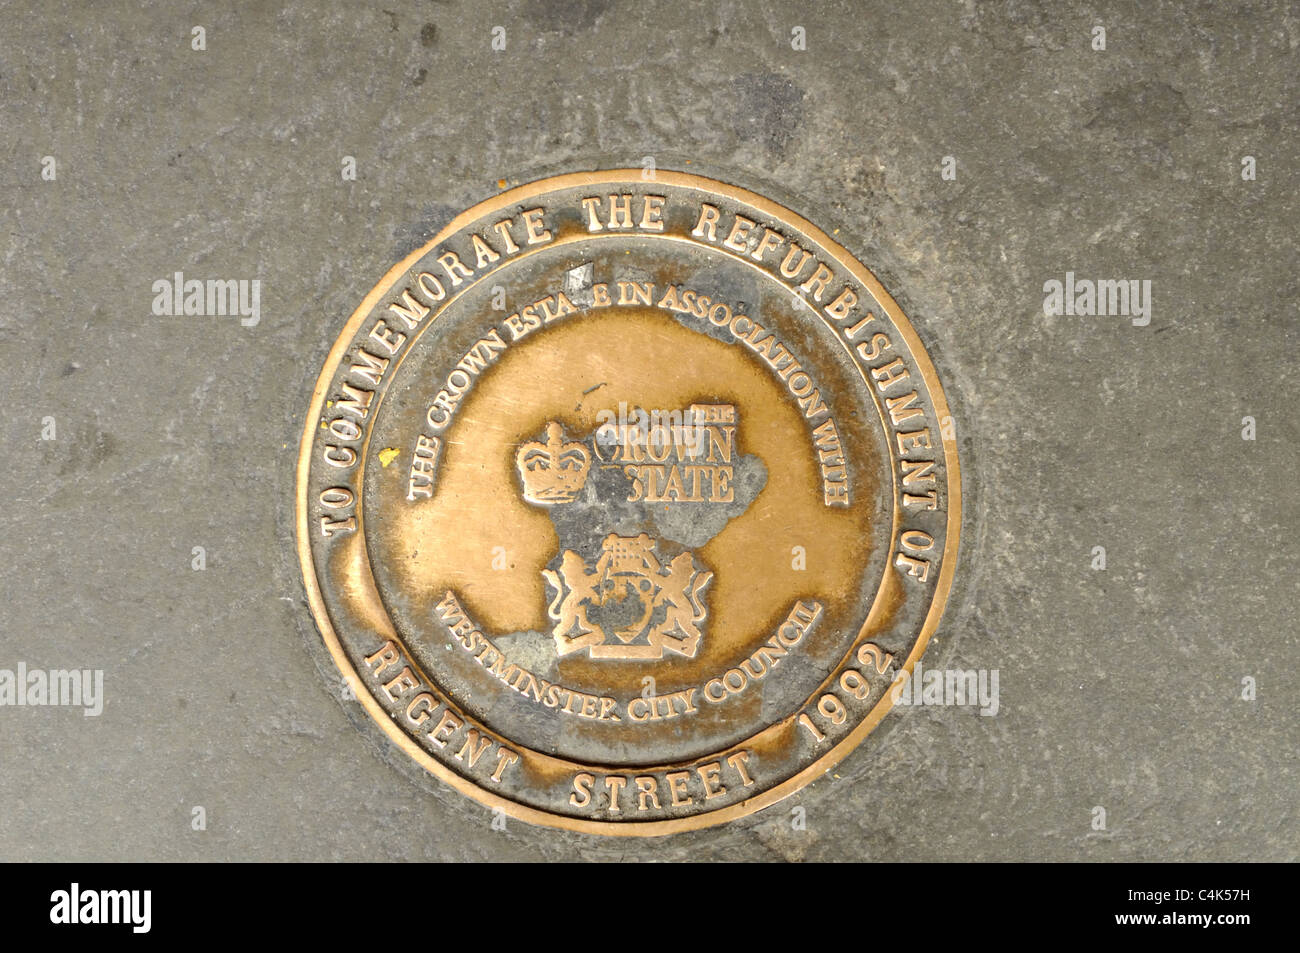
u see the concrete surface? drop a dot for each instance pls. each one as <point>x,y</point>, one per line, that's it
<point>1120,689</point>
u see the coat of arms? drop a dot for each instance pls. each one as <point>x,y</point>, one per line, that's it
<point>629,605</point>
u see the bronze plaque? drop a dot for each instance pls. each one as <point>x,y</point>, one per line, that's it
<point>622,502</point>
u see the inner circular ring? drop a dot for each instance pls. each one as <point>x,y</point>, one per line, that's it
<point>571,240</point>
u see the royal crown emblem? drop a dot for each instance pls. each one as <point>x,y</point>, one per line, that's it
<point>552,472</point>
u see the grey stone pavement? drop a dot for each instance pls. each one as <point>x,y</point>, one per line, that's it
<point>1120,689</point>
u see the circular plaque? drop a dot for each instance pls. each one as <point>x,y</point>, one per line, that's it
<point>623,502</point>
